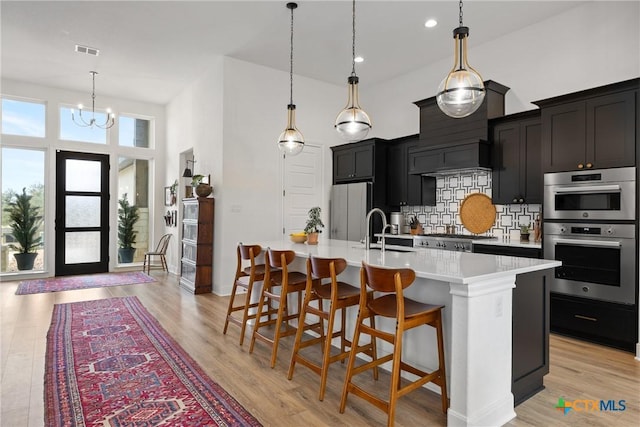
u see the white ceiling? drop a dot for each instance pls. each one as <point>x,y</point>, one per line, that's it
<point>150,50</point>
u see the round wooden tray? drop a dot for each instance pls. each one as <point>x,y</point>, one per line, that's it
<point>477,213</point>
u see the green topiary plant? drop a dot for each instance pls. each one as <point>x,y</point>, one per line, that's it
<point>127,218</point>
<point>25,222</point>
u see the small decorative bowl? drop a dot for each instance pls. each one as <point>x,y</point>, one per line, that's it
<point>298,238</point>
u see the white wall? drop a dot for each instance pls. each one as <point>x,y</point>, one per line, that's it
<point>591,45</point>
<point>232,117</point>
<point>55,98</point>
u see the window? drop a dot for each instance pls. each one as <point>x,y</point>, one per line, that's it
<point>70,131</point>
<point>21,168</point>
<point>133,180</point>
<point>134,132</point>
<point>23,118</point>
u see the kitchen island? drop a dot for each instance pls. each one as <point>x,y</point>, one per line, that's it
<point>476,290</point>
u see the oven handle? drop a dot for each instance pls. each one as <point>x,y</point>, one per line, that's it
<point>589,189</point>
<point>588,243</point>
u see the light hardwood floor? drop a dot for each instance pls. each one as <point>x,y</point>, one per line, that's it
<point>578,370</point>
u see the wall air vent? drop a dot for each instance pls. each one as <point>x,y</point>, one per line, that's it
<point>88,50</point>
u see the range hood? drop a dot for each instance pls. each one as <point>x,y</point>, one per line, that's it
<point>447,159</point>
<point>449,145</point>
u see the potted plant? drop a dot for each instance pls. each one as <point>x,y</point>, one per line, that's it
<point>174,192</point>
<point>25,221</point>
<point>200,188</point>
<point>524,233</point>
<point>314,225</point>
<point>127,217</point>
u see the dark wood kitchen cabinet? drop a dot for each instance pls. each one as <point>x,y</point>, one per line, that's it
<point>197,245</point>
<point>359,161</point>
<point>592,129</point>
<point>530,324</point>
<point>434,159</point>
<point>517,159</point>
<point>404,189</point>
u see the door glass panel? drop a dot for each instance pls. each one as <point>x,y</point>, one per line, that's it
<point>588,202</point>
<point>83,175</point>
<point>82,246</point>
<point>82,211</point>
<point>22,169</point>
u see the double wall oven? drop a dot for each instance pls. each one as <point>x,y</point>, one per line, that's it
<point>590,225</point>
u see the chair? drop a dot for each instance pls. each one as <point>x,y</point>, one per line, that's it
<point>244,280</point>
<point>340,296</point>
<point>276,289</point>
<point>408,314</point>
<point>160,251</point>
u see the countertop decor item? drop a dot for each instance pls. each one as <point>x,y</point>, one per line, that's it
<point>462,91</point>
<point>524,233</point>
<point>291,141</point>
<point>314,225</point>
<point>298,237</point>
<point>477,213</point>
<point>353,123</point>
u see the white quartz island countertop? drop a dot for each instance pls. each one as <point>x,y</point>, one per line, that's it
<point>477,293</point>
<point>435,264</point>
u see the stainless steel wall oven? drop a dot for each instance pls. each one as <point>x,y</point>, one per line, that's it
<point>598,260</point>
<point>606,194</point>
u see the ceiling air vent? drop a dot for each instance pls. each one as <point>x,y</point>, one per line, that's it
<point>88,50</point>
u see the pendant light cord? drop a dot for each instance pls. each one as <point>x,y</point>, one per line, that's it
<point>460,13</point>
<point>353,39</point>
<point>291,63</point>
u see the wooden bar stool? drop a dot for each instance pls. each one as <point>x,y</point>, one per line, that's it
<point>277,288</point>
<point>340,295</point>
<point>408,314</point>
<point>244,280</point>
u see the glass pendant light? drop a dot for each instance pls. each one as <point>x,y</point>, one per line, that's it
<point>291,141</point>
<point>461,93</point>
<point>353,123</point>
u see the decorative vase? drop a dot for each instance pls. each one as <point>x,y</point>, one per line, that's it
<point>203,190</point>
<point>312,239</point>
<point>25,261</point>
<point>125,255</point>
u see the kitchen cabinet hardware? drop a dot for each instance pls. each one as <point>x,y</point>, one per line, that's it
<point>592,127</point>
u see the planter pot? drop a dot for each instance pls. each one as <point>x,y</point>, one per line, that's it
<point>125,255</point>
<point>203,190</point>
<point>312,239</point>
<point>524,237</point>
<point>25,261</point>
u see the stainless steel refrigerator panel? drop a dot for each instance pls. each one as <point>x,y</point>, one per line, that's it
<point>357,211</point>
<point>338,217</point>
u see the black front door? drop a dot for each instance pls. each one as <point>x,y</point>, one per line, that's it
<point>82,213</point>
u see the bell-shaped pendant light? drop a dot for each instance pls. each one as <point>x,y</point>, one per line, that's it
<point>291,141</point>
<point>353,123</point>
<point>462,91</point>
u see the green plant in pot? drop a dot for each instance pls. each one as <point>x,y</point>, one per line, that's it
<point>524,233</point>
<point>200,188</point>
<point>314,225</point>
<point>25,222</point>
<point>127,217</point>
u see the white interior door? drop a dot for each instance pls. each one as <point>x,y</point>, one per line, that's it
<point>302,187</point>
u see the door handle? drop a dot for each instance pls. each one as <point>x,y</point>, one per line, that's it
<point>604,244</point>
<point>579,316</point>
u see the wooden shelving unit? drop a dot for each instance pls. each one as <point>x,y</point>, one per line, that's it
<point>196,270</point>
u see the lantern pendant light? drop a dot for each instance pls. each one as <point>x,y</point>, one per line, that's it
<point>461,93</point>
<point>353,123</point>
<point>291,141</point>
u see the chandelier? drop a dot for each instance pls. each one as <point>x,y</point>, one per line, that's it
<point>110,120</point>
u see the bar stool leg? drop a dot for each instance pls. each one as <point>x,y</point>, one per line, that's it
<point>245,312</point>
<point>298,339</point>
<point>326,352</point>
<point>441,367</point>
<point>352,359</point>
<point>229,308</point>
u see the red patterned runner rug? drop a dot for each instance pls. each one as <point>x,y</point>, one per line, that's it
<point>68,283</point>
<point>110,363</point>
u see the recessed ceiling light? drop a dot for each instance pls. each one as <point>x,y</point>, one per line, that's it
<point>358,59</point>
<point>430,23</point>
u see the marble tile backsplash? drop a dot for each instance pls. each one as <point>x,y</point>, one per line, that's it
<point>451,191</point>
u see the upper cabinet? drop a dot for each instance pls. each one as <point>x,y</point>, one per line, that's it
<point>517,159</point>
<point>359,161</point>
<point>592,129</point>
<point>404,189</point>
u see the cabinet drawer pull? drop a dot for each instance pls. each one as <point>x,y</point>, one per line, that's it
<point>593,319</point>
